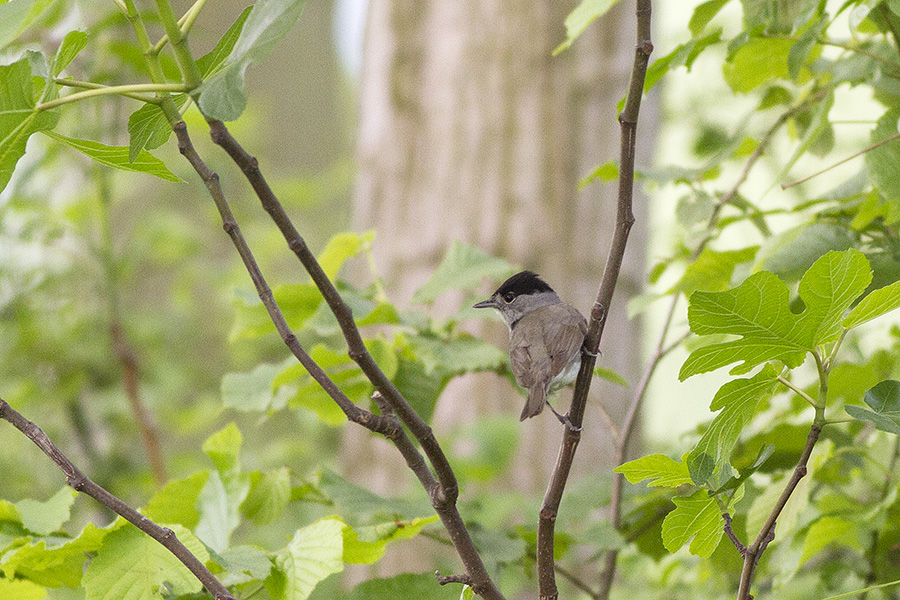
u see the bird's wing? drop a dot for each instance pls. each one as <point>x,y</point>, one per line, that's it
<point>528,354</point>
<point>565,333</point>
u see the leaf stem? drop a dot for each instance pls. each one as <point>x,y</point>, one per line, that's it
<point>186,63</point>
<point>798,391</point>
<point>891,138</point>
<point>185,23</point>
<point>111,90</point>
<point>89,85</point>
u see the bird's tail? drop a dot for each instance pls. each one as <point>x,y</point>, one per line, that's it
<point>537,397</point>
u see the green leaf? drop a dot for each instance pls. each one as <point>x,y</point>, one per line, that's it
<point>55,562</point>
<point>117,157</point>
<point>489,444</point>
<point>72,44</point>
<point>21,589</point>
<point>737,400</point>
<point>611,376</point>
<point>683,55</point>
<point>211,63</point>
<point>462,354</point>
<point>252,391</point>
<point>608,171</point>
<point>703,14</point>
<point>661,470</point>
<point>298,302</point>
<point>133,566</point>
<point>696,516</point>
<point>223,448</point>
<point>47,517</point>
<point>757,62</point>
<point>244,563</point>
<point>340,248</point>
<point>148,127</point>
<point>17,15</point>
<point>582,16</point>
<point>805,48</point>
<point>223,95</point>
<point>883,162</point>
<point>825,531</point>
<point>463,268</point>
<point>269,494</point>
<point>18,119</point>
<point>218,502</point>
<point>177,501</point>
<point>366,546</point>
<point>712,270</point>
<point>792,252</point>
<point>874,305</point>
<point>315,553</point>
<point>884,400</point>
<point>758,311</point>
<point>407,585</point>
<point>359,507</point>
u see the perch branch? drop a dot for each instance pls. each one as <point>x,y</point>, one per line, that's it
<point>81,483</point>
<point>624,220</point>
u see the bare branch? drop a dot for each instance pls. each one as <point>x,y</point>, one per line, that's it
<point>81,483</point>
<point>442,491</point>
<point>624,220</point>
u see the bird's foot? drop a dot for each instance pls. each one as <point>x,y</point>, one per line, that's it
<point>564,419</point>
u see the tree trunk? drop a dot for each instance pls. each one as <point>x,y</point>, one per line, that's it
<point>470,129</point>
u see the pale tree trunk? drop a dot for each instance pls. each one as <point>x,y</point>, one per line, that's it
<point>470,129</point>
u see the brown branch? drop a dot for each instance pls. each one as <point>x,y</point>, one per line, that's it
<point>755,550</point>
<point>444,495</point>
<point>624,220</point>
<point>729,531</point>
<point>81,483</point>
<point>457,578</point>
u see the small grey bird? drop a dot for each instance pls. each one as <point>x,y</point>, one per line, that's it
<point>545,338</point>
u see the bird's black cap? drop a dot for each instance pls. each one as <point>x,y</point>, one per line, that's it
<point>522,284</point>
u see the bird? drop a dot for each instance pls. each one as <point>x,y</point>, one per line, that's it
<point>546,336</point>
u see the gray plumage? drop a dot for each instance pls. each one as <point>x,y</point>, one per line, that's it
<point>546,336</point>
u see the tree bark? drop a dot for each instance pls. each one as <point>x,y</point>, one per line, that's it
<point>470,129</point>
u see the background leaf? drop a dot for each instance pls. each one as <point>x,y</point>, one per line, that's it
<point>462,268</point>
<point>117,157</point>
<point>884,400</point>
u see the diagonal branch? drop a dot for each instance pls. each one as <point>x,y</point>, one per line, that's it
<point>443,491</point>
<point>624,220</point>
<point>81,483</point>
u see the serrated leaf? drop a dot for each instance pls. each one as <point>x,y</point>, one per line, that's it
<point>177,501</point>
<point>269,494</point>
<point>223,95</point>
<point>210,63</point>
<point>462,354</point>
<point>47,517</point>
<point>696,516</point>
<point>17,15</point>
<point>340,248</point>
<point>712,270</point>
<point>72,44</point>
<point>315,553</point>
<point>463,268</point>
<point>825,531</point>
<point>758,311</point>
<point>874,305</point>
<point>582,16</point>
<point>737,400</point>
<point>133,566</point>
<point>660,469</point>
<point>18,117</point>
<point>117,157</point>
<point>884,400</point>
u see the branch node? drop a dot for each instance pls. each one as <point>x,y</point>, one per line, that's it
<point>646,47</point>
<point>76,481</point>
<point>598,312</point>
<point>462,578</point>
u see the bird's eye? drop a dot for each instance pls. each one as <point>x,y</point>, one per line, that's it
<point>509,297</point>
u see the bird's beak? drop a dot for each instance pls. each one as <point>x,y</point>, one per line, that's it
<point>489,303</point>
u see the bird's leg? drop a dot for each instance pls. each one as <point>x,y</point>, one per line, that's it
<point>564,419</point>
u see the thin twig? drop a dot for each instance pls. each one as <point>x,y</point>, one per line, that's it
<point>81,483</point>
<point>878,144</point>
<point>729,531</point>
<point>797,391</point>
<point>445,493</point>
<point>628,120</point>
